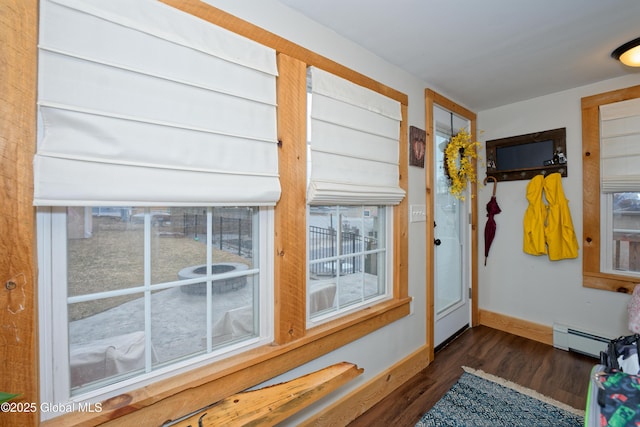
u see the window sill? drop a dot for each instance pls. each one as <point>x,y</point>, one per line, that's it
<point>610,282</point>
<point>178,396</point>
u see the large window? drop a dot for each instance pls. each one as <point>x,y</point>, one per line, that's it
<point>611,191</point>
<point>146,289</point>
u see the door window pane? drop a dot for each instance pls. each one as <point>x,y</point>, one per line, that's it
<point>448,254</point>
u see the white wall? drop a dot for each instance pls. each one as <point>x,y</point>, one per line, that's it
<point>529,287</point>
<point>385,347</point>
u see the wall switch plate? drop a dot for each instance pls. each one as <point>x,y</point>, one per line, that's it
<point>418,213</point>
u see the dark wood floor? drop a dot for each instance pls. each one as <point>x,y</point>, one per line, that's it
<point>559,374</point>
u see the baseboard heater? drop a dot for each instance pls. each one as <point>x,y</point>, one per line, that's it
<point>571,339</point>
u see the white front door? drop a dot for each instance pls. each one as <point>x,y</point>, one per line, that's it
<point>451,239</point>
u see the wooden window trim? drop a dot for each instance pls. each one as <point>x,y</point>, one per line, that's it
<point>592,276</point>
<point>18,67</point>
<point>293,344</point>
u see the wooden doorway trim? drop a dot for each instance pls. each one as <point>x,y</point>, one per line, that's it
<point>432,98</point>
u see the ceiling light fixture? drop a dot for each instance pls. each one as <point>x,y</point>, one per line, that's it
<point>628,53</point>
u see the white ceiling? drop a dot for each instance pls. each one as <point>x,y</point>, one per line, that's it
<point>487,53</point>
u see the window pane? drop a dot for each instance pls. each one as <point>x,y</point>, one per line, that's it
<point>234,315</point>
<point>178,240</point>
<point>626,232</point>
<point>374,273</point>
<point>105,250</point>
<point>233,230</point>
<point>110,343</point>
<point>352,229</point>
<point>323,235</point>
<point>178,325</point>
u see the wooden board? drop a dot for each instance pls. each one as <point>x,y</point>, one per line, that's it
<point>270,405</point>
<point>18,308</point>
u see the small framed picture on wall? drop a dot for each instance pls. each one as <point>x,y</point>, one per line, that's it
<point>417,146</point>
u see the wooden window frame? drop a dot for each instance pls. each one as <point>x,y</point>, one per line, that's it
<point>592,276</point>
<point>293,344</point>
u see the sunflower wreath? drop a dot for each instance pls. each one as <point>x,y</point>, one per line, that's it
<point>458,165</point>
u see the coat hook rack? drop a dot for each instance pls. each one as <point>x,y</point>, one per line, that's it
<point>522,157</point>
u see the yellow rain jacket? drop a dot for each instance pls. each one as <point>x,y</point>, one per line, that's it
<point>549,228</point>
<point>559,233</point>
<point>534,217</point>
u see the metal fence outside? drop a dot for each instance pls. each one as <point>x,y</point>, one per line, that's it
<point>231,234</point>
<point>323,244</point>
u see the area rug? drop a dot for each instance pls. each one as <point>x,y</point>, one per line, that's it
<point>479,399</point>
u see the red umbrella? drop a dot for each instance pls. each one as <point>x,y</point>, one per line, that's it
<point>490,227</point>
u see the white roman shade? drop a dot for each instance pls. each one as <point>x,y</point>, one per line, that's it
<point>620,146</point>
<point>144,105</point>
<point>354,147</point>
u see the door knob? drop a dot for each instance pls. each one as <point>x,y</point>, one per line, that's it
<point>437,242</point>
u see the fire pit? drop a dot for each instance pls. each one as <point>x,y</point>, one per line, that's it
<point>217,286</point>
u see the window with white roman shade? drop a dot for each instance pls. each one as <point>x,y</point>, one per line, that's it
<point>620,146</point>
<point>611,190</point>
<point>144,105</point>
<point>620,187</point>
<point>157,143</point>
<point>354,147</point>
